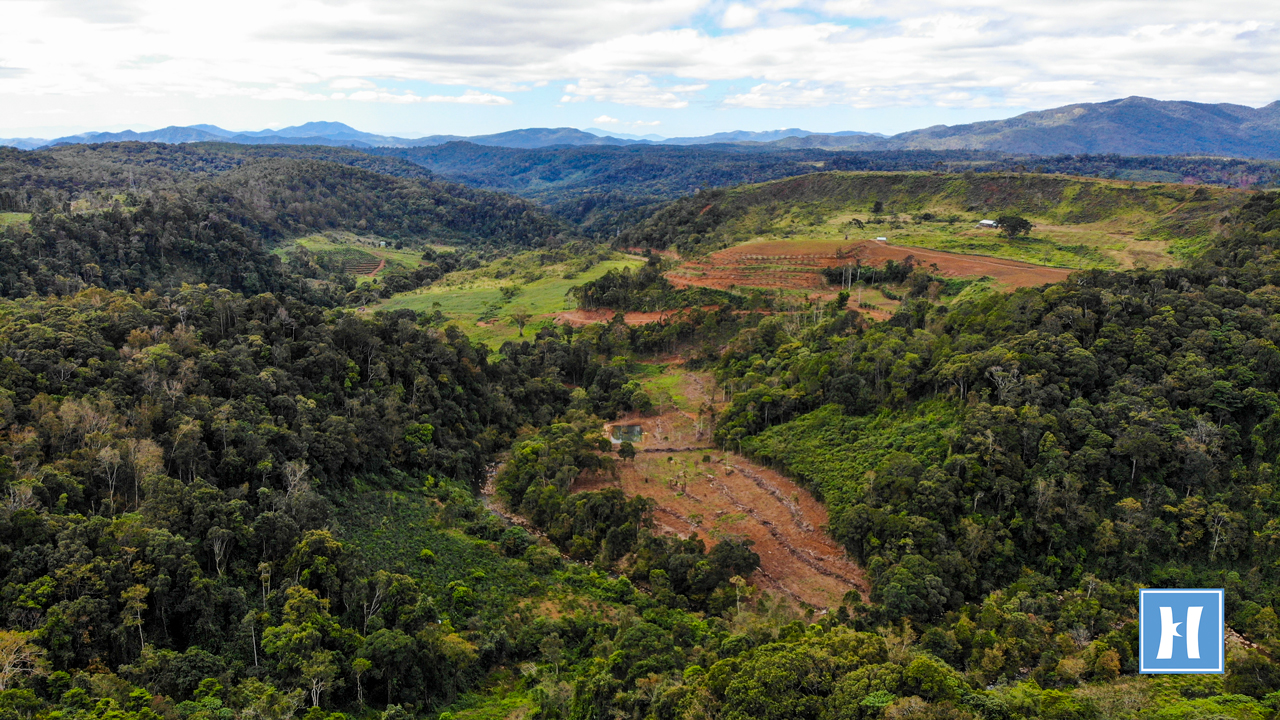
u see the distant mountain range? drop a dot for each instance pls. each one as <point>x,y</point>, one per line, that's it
<point>1131,126</point>
<point>335,133</point>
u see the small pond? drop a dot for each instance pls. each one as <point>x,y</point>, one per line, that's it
<point>627,433</point>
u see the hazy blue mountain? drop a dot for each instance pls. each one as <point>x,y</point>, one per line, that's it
<point>311,129</point>
<point>171,134</point>
<point>654,137</point>
<point>214,129</point>
<point>544,137</point>
<point>1131,126</point>
<point>734,136</point>
<point>23,143</point>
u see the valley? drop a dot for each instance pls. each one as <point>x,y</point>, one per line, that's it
<point>311,433</point>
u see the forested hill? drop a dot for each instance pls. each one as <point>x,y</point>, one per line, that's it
<point>292,196</point>
<point>217,230</point>
<point>65,171</point>
<point>242,503</point>
<point>605,189</point>
<point>600,189</point>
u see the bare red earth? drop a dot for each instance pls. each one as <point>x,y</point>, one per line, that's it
<point>770,265</point>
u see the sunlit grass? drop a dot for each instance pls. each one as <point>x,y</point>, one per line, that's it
<point>480,309</point>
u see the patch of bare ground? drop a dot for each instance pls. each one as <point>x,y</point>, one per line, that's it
<point>581,318</point>
<point>701,490</point>
<point>797,265</point>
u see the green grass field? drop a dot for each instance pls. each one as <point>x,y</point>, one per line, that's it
<point>7,219</point>
<point>360,252</point>
<point>1079,223</point>
<point>476,303</point>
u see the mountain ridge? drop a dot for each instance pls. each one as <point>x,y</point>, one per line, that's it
<point>1127,126</point>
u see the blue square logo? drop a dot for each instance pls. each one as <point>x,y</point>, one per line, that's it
<point>1181,631</point>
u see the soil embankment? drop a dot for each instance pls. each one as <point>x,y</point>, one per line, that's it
<point>711,493</point>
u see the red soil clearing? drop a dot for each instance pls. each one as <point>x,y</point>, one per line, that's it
<point>732,497</point>
<point>580,318</point>
<point>769,265</point>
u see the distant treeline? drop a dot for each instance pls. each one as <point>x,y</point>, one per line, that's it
<point>605,188</point>
<point>601,189</point>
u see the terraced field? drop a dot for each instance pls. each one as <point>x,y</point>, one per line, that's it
<point>702,490</point>
<point>797,264</point>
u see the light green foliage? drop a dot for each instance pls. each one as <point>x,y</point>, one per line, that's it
<point>14,218</point>
<point>474,299</point>
<point>1080,223</point>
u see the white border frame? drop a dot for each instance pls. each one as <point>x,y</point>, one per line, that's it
<point>1222,633</point>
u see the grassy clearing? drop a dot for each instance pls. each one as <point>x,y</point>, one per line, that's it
<point>360,253</point>
<point>1110,244</point>
<point>481,304</point>
<point>7,219</point>
<point>670,386</point>
<point>1080,223</point>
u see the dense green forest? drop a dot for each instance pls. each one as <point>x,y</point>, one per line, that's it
<point>221,230</point>
<point>34,180</point>
<point>226,496</point>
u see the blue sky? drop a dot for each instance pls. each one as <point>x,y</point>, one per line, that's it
<point>671,67</point>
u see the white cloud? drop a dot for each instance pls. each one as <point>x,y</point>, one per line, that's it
<point>351,83</point>
<point>738,15</point>
<point>606,120</point>
<point>647,53</point>
<point>470,97</point>
<point>636,90</point>
<point>780,95</point>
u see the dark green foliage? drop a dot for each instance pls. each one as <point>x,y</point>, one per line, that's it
<point>227,504</point>
<point>607,189</point>
<point>160,244</point>
<point>1014,225</point>
<point>215,231</point>
<point>289,197</point>
<point>1061,446</point>
<point>41,180</point>
<point>646,290</point>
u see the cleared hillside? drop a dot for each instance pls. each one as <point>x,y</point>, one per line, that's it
<point>906,204</point>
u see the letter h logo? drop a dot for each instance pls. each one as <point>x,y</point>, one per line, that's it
<point>1180,631</point>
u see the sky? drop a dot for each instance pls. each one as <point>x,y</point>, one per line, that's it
<point>668,67</point>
